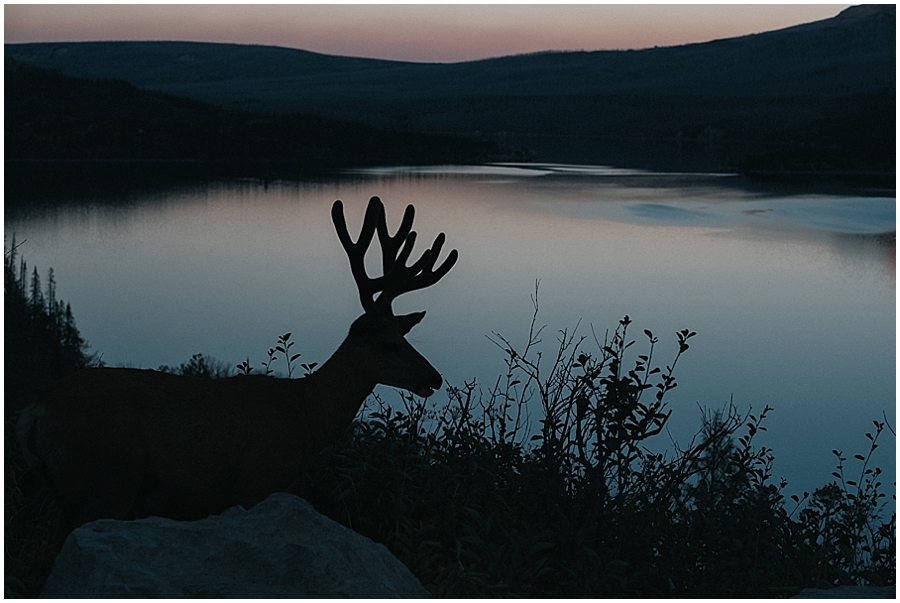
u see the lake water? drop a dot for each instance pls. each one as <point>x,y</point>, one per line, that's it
<point>792,295</point>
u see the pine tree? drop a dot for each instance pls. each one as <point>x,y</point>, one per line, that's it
<point>41,340</point>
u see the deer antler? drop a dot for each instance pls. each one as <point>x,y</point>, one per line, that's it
<point>398,278</point>
<point>356,252</point>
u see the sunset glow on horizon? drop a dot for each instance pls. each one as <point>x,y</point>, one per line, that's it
<point>440,33</point>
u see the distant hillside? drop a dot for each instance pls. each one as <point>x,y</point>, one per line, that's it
<point>49,116</point>
<point>850,53</point>
<point>825,86</point>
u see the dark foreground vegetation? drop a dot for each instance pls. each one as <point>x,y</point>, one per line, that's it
<point>479,499</point>
<point>41,342</point>
<point>477,504</point>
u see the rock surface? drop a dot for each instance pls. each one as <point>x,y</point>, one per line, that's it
<point>280,548</point>
<point>849,592</point>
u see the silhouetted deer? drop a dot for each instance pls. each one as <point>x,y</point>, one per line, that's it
<point>127,443</point>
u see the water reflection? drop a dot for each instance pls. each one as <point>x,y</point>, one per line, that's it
<point>792,296</point>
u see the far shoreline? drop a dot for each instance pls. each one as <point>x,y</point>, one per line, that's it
<point>41,181</point>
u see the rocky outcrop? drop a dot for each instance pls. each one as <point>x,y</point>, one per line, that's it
<point>849,592</point>
<point>280,548</point>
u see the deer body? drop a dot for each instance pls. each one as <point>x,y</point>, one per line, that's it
<point>129,443</point>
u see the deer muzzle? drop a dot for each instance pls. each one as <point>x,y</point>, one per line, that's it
<point>433,383</point>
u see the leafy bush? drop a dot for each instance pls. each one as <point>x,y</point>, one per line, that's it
<point>477,503</point>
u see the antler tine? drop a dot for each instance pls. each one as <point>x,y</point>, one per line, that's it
<point>421,274</point>
<point>391,244</point>
<point>356,252</point>
<point>433,276</point>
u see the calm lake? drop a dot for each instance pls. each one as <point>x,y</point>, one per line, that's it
<point>792,295</point>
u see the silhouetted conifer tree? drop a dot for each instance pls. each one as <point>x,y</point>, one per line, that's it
<point>41,340</point>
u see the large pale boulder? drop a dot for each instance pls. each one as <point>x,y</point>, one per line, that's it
<point>280,548</point>
<point>849,592</point>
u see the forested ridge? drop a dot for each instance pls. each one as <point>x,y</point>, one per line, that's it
<point>817,97</point>
<point>52,117</point>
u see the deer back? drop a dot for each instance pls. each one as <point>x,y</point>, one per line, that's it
<point>140,442</point>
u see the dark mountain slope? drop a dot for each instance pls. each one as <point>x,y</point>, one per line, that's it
<point>154,64</point>
<point>49,116</point>
<point>853,52</point>
<point>826,86</point>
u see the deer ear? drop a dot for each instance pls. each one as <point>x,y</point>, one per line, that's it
<point>408,321</point>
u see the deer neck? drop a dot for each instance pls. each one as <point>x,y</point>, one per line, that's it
<point>334,393</point>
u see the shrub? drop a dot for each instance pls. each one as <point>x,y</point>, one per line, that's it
<point>478,502</point>
<point>200,365</point>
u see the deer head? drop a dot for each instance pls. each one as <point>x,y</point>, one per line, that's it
<point>378,334</point>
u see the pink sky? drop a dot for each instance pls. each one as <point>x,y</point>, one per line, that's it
<point>409,32</point>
